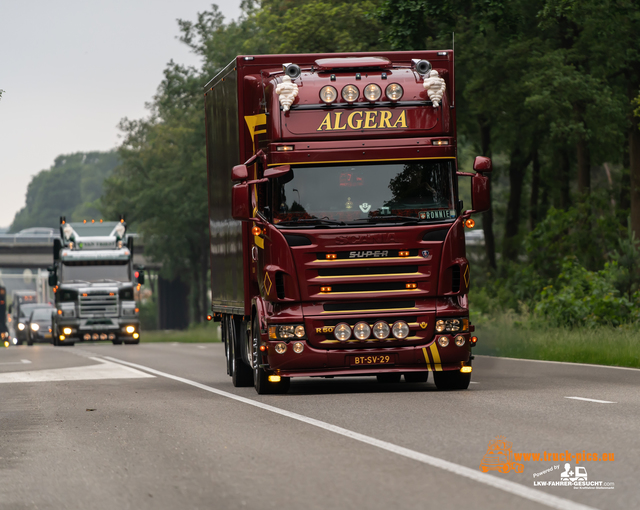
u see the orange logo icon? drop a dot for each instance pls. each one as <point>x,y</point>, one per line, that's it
<point>499,457</point>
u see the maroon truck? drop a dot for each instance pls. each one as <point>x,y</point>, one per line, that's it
<point>337,236</point>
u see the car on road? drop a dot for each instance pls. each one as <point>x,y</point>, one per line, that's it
<point>20,324</point>
<point>39,325</point>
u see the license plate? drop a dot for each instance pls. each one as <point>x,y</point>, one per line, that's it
<point>373,359</point>
<point>47,335</point>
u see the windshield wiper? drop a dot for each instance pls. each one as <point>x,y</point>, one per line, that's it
<point>372,219</point>
<point>321,221</point>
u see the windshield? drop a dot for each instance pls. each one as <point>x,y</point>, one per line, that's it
<point>42,314</point>
<point>96,271</point>
<point>25,310</point>
<point>366,193</point>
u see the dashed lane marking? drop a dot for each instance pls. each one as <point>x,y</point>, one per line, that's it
<point>472,474</point>
<point>592,400</point>
<point>21,362</point>
<point>103,370</point>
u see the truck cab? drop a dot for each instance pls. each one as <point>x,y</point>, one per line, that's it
<point>94,281</point>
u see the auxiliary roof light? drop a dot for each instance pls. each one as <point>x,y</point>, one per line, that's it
<point>328,94</point>
<point>381,330</point>
<point>394,92</point>
<point>372,92</point>
<point>350,93</point>
<point>362,330</point>
<point>342,331</point>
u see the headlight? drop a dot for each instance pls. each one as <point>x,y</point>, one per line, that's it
<point>128,311</point>
<point>342,331</point>
<point>400,330</point>
<point>460,340</point>
<point>381,330</point>
<point>350,93</point>
<point>443,341</point>
<point>281,348</point>
<point>286,331</point>
<point>67,312</point>
<point>21,326</point>
<point>372,92</point>
<point>130,329</point>
<point>394,92</point>
<point>67,331</point>
<point>328,94</point>
<point>34,326</point>
<point>361,331</point>
<point>452,325</point>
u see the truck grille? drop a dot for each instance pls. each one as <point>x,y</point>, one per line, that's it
<point>99,305</point>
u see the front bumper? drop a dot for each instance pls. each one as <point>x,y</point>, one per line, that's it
<point>92,330</point>
<point>322,362</point>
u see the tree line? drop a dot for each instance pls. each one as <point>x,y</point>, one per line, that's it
<point>550,89</point>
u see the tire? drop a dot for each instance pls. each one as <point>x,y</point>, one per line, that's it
<point>260,377</point>
<point>224,330</point>
<point>416,377</point>
<point>132,342</point>
<point>391,378</point>
<point>116,342</point>
<point>241,374</point>
<point>451,380</point>
<point>29,342</point>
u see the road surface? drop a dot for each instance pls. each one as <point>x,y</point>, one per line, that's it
<point>160,426</point>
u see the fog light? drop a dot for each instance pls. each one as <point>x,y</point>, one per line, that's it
<point>381,330</point>
<point>274,378</point>
<point>130,329</point>
<point>466,370</point>
<point>300,332</point>
<point>67,331</point>
<point>112,336</point>
<point>394,92</point>
<point>328,94</point>
<point>443,341</point>
<point>136,336</point>
<point>342,331</point>
<point>460,340</point>
<point>372,92</point>
<point>350,93</point>
<point>281,348</point>
<point>440,325</point>
<point>361,331</point>
<point>298,347</point>
<point>62,337</point>
<point>400,330</point>
<point>95,336</point>
<point>103,336</point>
<point>6,343</point>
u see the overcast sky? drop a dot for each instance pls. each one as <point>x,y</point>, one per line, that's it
<point>71,69</point>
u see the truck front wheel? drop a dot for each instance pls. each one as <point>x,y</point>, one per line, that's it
<point>260,377</point>
<point>451,380</point>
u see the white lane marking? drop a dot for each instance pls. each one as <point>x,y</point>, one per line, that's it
<point>473,382</point>
<point>560,362</point>
<point>174,343</point>
<point>477,476</point>
<point>592,400</point>
<point>201,346</point>
<point>103,370</point>
<point>21,362</point>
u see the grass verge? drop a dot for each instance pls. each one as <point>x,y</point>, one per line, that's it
<point>209,332</point>
<point>510,336</point>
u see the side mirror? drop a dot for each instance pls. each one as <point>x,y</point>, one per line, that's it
<point>57,245</point>
<point>9,309</point>
<point>480,196</point>
<point>278,171</point>
<point>130,244</point>
<point>482,164</point>
<point>53,278</point>
<point>139,274</point>
<point>239,173</point>
<point>240,202</point>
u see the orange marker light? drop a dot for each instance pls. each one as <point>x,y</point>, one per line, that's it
<point>84,221</point>
<point>263,348</point>
<point>256,231</point>
<point>93,221</point>
<point>473,340</point>
<point>209,317</point>
<point>403,254</point>
<point>325,289</point>
<point>331,256</point>
<point>412,285</point>
<point>470,223</point>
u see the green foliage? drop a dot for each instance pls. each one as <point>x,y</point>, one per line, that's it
<point>586,298</point>
<point>71,188</point>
